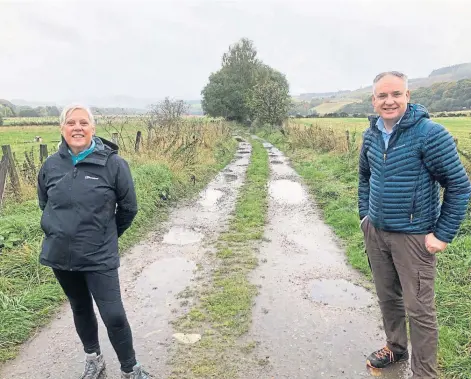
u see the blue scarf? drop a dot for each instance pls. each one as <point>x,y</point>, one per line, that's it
<point>83,154</point>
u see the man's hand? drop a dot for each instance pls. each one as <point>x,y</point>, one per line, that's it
<point>433,244</point>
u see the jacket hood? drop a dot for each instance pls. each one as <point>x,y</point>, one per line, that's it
<point>104,144</point>
<point>414,113</point>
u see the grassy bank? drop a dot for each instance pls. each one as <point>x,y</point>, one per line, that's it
<point>333,180</point>
<point>458,126</point>
<point>29,295</point>
<point>224,304</point>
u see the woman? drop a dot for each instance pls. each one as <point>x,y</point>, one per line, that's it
<point>87,196</point>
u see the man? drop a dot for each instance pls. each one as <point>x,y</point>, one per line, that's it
<point>405,158</point>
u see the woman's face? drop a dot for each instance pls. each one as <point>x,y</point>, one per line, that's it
<point>78,130</point>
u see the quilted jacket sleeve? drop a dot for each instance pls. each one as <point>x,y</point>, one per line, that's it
<point>442,161</point>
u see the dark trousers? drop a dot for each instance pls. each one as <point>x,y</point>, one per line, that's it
<point>404,275</point>
<point>103,286</point>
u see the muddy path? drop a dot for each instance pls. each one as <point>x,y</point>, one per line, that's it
<point>153,274</point>
<point>313,318</point>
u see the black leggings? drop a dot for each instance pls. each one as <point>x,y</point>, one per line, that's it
<point>80,286</point>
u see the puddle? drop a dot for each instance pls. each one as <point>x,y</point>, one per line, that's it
<point>179,235</point>
<point>164,276</point>
<point>210,197</point>
<point>340,293</point>
<point>287,192</point>
<point>231,177</point>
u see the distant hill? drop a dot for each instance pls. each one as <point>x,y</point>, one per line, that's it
<point>6,108</point>
<point>358,101</point>
<point>439,97</point>
<point>26,103</point>
<point>106,105</point>
<point>452,73</point>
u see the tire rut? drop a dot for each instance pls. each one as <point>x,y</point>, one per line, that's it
<point>153,274</point>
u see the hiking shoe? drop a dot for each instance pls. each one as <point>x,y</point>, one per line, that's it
<point>384,357</point>
<point>94,366</point>
<point>137,373</point>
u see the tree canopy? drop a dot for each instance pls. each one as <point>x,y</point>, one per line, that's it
<point>245,89</point>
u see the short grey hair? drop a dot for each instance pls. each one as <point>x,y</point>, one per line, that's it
<point>392,73</point>
<point>73,107</point>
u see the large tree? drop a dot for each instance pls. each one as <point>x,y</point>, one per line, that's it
<point>228,92</point>
<point>245,89</point>
<point>270,99</point>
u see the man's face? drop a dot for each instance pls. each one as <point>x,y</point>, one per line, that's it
<point>390,98</point>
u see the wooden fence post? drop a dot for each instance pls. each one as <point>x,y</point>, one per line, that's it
<point>115,138</point>
<point>3,177</point>
<point>43,152</point>
<point>15,181</point>
<point>138,141</point>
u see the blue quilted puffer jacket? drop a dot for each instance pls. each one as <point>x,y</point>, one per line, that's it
<point>399,187</point>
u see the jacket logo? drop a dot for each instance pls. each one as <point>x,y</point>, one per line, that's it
<point>90,177</point>
<point>398,147</point>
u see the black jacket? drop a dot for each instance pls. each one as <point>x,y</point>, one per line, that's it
<point>85,208</point>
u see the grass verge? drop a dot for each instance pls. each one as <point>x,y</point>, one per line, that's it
<point>224,306</point>
<point>333,180</point>
<point>29,294</point>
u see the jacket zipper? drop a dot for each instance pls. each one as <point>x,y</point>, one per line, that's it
<point>392,139</point>
<point>396,133</point>
<point>74,175</point>
<point>380,136</point>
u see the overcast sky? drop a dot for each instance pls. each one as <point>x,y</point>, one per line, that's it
<point>54,50</point>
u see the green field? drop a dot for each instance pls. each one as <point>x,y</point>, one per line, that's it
<point>21,138</point>
<point>459,127</point>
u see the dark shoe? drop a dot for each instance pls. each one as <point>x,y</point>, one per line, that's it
<point>137,373</point>
<point>384,357</point>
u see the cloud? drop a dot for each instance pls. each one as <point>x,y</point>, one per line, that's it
<point>82,49</point>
